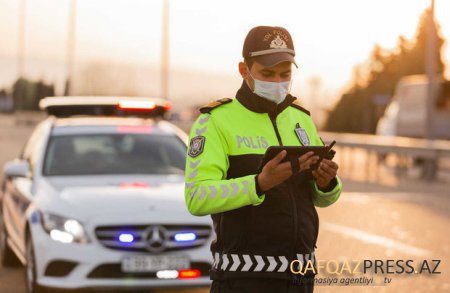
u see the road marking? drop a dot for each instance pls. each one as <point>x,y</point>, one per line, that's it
<point>375,239</point>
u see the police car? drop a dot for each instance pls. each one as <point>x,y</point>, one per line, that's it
<point>96,200</point>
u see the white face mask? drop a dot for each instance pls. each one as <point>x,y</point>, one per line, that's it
<point>272,91</point>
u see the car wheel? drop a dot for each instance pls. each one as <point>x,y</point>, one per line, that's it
<point>7,256</point>
<point>30,268</point>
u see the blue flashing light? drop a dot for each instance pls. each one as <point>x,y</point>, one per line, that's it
<point>126,238</point>
<point>183,237</point>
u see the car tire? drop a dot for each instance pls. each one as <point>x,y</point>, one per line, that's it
<point>7,256</point>
<point>30,267</point>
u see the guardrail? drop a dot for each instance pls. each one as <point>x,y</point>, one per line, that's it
<point>21,117</point>
<point>426,152</point>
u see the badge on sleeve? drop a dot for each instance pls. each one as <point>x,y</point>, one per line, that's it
<point>196,146</point>
<point>302,135</point>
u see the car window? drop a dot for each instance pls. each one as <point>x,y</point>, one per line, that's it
<point>30,144</point>
<point>114,154</point>
<point>30,151</point>
<point>443,98</point>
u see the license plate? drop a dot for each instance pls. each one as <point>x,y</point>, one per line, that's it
<point>147,263</point>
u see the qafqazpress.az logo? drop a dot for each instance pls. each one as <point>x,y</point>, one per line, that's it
<point>362,272</point>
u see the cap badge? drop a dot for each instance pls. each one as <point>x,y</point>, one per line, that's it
<point>278,43</point>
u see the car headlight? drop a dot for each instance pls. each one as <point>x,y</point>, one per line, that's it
<point>64,229</point>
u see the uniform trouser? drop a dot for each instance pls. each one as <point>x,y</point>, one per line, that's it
<point>262,286</point>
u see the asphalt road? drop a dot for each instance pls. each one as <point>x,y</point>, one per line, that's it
<point>407,220</point>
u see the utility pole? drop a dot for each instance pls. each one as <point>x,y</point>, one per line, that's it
<point>165,50</point>
<point>19,92</point>
<point>70,57</point>
<point>429,170</point>
<point>21,39</point>
<point>430,69</point>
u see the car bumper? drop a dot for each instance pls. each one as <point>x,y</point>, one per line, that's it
<point>91,265</point>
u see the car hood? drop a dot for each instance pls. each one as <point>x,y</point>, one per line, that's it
<point>119,200</point>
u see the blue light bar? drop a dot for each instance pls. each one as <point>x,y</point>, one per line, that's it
<point>183,237</point>
<point>126,237</point>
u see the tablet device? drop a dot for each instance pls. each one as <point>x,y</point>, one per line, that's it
<point>296,152</point>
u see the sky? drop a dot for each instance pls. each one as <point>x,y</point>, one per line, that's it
<point>206,37</point>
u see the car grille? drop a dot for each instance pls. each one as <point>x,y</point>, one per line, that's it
<point>152,238</point>
<point>114,271</point>
<point>59,268</point>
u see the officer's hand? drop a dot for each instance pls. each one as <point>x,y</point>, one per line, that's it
<point>275,172</point>
<point>326,171</point>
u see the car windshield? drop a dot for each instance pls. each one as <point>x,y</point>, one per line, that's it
<point>114,154</point>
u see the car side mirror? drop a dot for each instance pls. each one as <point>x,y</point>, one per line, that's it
<point>17,168</point>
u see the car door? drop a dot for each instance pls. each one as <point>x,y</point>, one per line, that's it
<point>18,192</point>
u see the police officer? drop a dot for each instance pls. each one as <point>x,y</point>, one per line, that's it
<point>264,219</point>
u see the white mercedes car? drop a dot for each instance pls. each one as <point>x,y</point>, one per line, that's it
<point>96,200</point>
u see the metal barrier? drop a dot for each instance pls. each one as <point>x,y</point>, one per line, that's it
<point>427,152</point>
<point>21,118</point>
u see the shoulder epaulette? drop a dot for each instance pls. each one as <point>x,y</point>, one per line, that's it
<point>212,105</point>
<point>296,105</point>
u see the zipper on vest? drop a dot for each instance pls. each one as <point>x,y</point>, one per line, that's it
<point>292,197</point>
<point>274,124</point>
